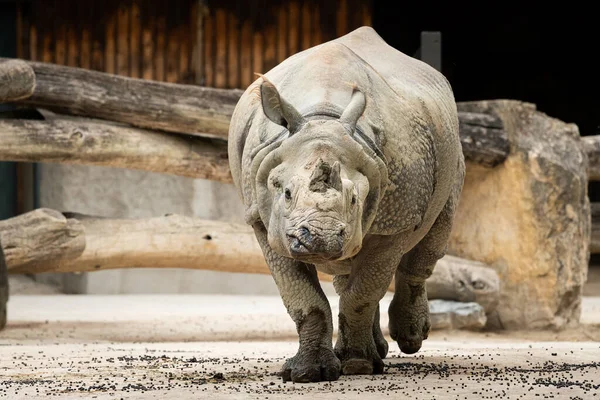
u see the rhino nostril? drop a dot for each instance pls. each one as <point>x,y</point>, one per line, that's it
<point>303,232</point>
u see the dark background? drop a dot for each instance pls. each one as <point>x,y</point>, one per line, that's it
<point>540,52</point>
<point>545,53</point>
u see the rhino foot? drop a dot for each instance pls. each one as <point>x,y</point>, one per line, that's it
<point>360,362</point>
<point>312,366</point>
<point>409,319</point>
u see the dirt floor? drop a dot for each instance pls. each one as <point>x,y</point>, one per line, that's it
<point>197,347</point>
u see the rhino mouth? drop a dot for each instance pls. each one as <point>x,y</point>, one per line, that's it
<point>304,245</point>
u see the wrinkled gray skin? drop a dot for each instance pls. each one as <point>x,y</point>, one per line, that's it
<point>348,161</point>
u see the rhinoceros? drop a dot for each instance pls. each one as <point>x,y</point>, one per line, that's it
<point>348,160</point>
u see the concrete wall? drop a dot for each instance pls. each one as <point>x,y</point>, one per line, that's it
<point>119,193</point>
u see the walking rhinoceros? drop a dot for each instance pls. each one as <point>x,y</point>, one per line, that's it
<point>348,160</point>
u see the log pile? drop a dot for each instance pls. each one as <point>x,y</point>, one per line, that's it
<point>46,240</point>
<point>194,114</point>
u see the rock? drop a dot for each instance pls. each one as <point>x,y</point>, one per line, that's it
<point>446,314</point>
<point>529,218</point>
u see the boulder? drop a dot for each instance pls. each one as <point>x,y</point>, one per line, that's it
<point>529,218</point>
<point>447,314</point>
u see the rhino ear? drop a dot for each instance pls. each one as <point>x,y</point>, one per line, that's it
<point>277,109</point>
<point>354,110</point>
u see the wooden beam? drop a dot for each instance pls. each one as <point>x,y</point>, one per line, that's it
<point>591,146</point>
<point>17,81</point>
<point>174,241</point>
<point>93,142</point>
<point>169,107</point>
<point>201,111</point>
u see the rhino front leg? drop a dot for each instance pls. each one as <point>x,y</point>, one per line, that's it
<point>339,283</point>
<point>306,303</point>
<point>358,346</point>
<point>409,321</point>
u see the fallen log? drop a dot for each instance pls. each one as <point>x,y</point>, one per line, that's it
<point>196,110</point>
<point>17,80</point>
<point>149,104</point>
<point>175,241</point>
<point>93,142</point>
<point>591,146</point>
<point>42,239</point>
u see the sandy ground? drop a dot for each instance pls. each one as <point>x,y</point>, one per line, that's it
<point>197,347</point>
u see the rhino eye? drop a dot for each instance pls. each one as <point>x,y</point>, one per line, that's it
<point>353,201</point>
<point>288,194</point>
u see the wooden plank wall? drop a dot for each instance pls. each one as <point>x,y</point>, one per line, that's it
<point>213,43</point>
<point>240,40</point>
<point>137,38</point>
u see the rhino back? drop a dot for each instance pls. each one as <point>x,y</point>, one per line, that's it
<point>410,115</point>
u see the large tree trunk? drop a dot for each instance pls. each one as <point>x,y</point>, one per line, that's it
<point>93,142</point>
<point>198,110</point>
<point>174,241</point>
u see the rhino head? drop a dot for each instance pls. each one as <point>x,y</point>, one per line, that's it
<point>318,190</point>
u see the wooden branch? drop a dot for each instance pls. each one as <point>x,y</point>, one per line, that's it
<point>170,107</point>
<point>17,80</point>
<point>174,241</point>
<point>93,142</point>
<point>198,110</point>
<point>591,146</point>
<point>595,236</point>
<point>483,138</point>
<point>39,240</point>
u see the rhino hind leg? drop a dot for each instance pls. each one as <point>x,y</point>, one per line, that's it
<point>409,321</point>
<point>306,303</point>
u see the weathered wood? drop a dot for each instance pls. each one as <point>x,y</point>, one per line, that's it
<point>175,241</point>
<point>202,111</point>
<point>156,105</point>
<point>591,146</point>
<point>171,241</point>
<point>93,142</point>
<point>17,80</point>
<point>595,236</point>
<point>483,139</point>
<point>42,239</point>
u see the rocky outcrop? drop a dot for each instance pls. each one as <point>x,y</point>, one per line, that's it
<point>529,218</point>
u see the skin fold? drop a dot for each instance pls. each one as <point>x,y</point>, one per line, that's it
<point>348,161</point>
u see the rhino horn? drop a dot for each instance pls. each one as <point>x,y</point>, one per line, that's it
<point>354,110</point>
<point>277,109</point>
<point>326,176</point>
